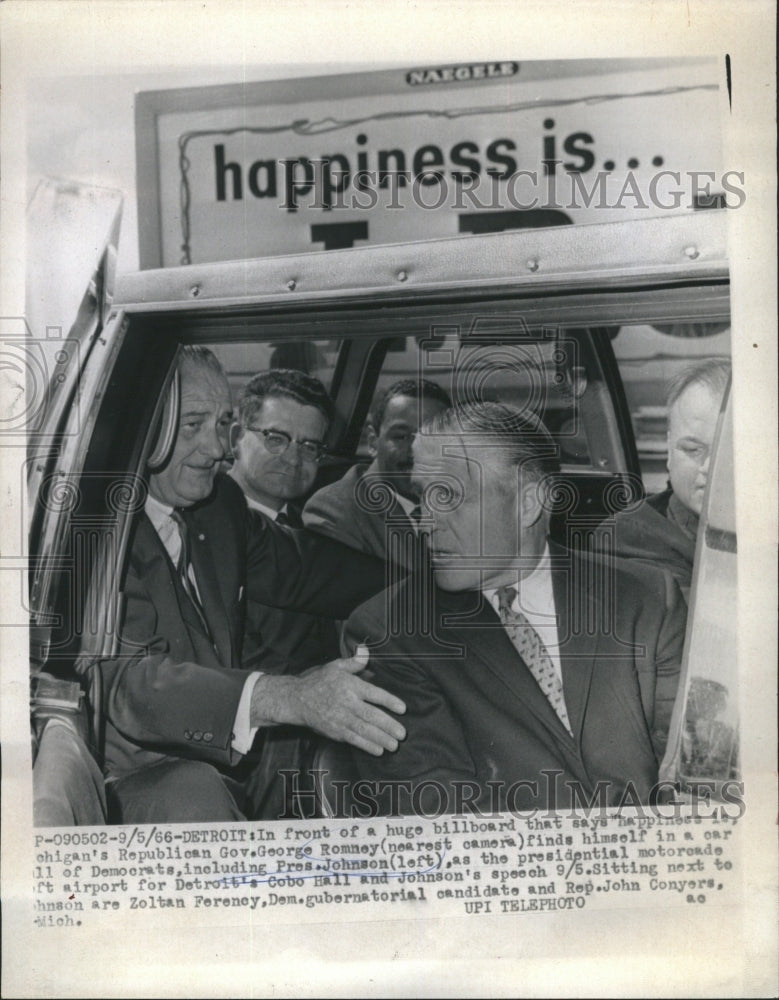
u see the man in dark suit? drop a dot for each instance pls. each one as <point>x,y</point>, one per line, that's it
<point>376,502</point>
<point>663,529</point>
<point>277,442</point>
<point>180,713</point>
<point>533,679</point>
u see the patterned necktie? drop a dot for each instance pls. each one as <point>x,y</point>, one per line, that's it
<point>530,647</point>
<point>183,567</point>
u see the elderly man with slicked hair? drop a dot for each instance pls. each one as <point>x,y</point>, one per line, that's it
<point>533,678</point>
<point>181,713</point>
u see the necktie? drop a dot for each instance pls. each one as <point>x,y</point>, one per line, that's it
<point>183,567</point>
<point>290,518</point>
<point>530,647</point>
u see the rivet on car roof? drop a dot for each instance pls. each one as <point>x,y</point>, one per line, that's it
<point>692,252</point>
<point>402,275</point>
<point>532,264</point>
<point>194,291</point>
<point>292,284</point>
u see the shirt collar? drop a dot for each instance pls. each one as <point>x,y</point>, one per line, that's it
<point>263,509</point>
<point>405,503</point>
<point>535,589</point>
<point>157,511</point>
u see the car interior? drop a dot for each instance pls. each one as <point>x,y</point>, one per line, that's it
<point>553,355</point>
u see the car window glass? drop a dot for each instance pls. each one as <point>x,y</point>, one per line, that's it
<point>244,360</point>
<point>546,372</point>
<point>648,358</point>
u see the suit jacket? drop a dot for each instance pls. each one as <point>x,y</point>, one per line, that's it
<point>280,641</point>
<point>358,510</point>
<point>173,689</point>
<point>476,714</point>
<point>649,536</point>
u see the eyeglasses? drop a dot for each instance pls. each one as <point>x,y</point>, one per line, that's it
<point>277,442</point>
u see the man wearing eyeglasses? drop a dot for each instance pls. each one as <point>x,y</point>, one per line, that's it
<point>181,712</point>
<point>277,442</point>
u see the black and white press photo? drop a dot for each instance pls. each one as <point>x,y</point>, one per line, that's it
<point>387,439</point>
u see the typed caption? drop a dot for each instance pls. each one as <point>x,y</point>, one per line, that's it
<point>377,869</point>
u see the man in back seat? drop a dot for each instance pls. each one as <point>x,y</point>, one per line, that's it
<point>360,508</point>
<point>278,442</point>
<point>663,529</point>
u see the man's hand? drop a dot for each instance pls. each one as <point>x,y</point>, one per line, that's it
<point>334,701</point>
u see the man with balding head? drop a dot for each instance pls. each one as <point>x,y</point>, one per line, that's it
<point>532,678</point>
<point>180,712</point>
<point>662,530</point>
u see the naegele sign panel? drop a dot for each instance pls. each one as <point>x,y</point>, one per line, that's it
<point>262,169</point>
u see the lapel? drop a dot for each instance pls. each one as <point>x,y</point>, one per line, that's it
<point>578,623</point>
<point>578,629</point>
<point>486,640</point>
<point>208,588</point>
<point>378,522</point>
<point>154,567</point>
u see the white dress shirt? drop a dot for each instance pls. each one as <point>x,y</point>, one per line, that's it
<point>535,599</point>
<point>160,516</point>
<point>408,506</point>
<point>168,531</point>
<point>263,509</point>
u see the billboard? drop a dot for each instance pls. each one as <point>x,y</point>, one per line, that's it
<point>265,169</point>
